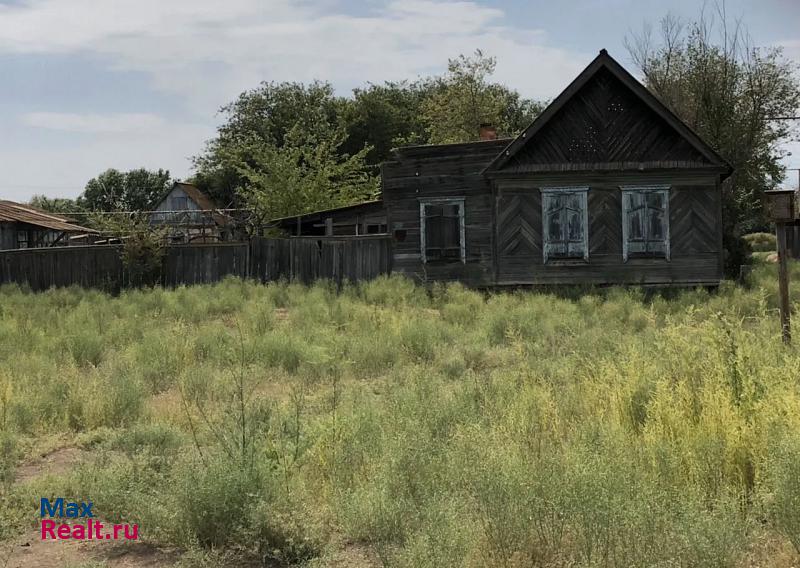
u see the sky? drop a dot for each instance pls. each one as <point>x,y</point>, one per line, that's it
<point>87,85</point>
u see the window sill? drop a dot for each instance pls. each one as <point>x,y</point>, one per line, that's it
<point>646,258</point>
<point>566,262</point>
<point>439,262</point>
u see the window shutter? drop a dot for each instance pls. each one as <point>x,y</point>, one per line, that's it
<point>443,234</point>
<point>645,222</point>
<point>564,222</point>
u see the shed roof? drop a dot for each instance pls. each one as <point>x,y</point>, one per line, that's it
<point>19,213</point>
<point>374,204</point>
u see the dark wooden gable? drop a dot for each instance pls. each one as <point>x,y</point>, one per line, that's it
<point>605,119</point>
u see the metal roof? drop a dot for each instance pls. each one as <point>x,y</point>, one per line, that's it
<point>19,213</point>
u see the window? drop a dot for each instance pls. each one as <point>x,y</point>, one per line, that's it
<point>565,222</point>
<point>179,204</point>
<point>375,228</point>
<point>442,230</point>
<point>22,240</point>
<point>645,222</point>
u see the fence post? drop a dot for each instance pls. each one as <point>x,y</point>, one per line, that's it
<point>783,282</point>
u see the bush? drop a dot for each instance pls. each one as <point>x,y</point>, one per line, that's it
<point>612,428</point>
<point>216,499</point>
<point>762,242</point>
<point>784,482</point>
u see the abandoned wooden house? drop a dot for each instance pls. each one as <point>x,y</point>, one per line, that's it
<point>606,186</point>
<point>23,226</point>
<point>191,216</point>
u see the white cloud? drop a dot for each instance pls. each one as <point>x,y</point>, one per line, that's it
<point>64,170</point>
<point>208,51</point>
<point>791,48</point>
<point>93,123</point>
<point>205,52</point>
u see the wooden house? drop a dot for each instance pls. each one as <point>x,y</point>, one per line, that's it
<point>191,216</point>
<point>23,226</point>
<point>606,186</point>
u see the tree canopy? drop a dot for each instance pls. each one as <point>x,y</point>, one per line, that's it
<point>730,93</point>
<point>135,190</point>
<point>463,99</point>
<point>58,205</point>
<point>288,148</point>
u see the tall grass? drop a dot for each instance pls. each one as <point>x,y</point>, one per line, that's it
<point>440,427</point>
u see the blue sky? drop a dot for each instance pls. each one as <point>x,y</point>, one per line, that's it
<point>93,84</point>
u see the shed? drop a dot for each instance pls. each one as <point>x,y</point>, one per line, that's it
<point>368,218</point>
<point>23,226</point>
<point>190,215</point>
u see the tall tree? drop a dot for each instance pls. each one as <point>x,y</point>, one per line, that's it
<point>306,173</point>
<point>301,147</point>
<point>384,117</point>
<point>260,118</point>
<point>463,99</point>
<point>57,205</point>
<point>728,92</point>
<point>135,190</point>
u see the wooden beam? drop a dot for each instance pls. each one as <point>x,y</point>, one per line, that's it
<point>783,283</point>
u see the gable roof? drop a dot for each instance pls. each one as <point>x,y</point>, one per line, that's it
<point>194,192</point>
<point>19,213</point>
<point>605,62</point>
<point>198,196</point>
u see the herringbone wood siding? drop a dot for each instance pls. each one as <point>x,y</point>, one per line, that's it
<point>605,221</point>
<point>693,220</point>
<point>694,230</point>
<point>519,224</point>
<point>605,122</point>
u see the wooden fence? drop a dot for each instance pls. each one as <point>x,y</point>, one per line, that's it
<point>306,259</point>
<point>302,259</point>
<point>43,268</point>
<point>204,263</point>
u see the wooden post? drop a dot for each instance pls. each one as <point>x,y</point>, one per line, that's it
<point>783,282</point>
<point>782,208</point>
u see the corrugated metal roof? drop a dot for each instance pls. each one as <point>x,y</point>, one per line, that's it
<point>18,213</point>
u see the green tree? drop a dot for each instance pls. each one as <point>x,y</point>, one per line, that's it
<point>287,148</point>
<point>727,91</point>
<point>307,173</point>
<point>463,99</point>
<point>57,205</point>
<point>135,190</point>
<point>258,119</point>
<point>384,117</point>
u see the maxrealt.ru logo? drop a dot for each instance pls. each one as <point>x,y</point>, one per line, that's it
<point>86,527</point>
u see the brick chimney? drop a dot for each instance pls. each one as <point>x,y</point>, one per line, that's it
<point>488,131</point>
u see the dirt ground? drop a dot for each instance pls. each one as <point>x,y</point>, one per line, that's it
<point>30,551</point>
